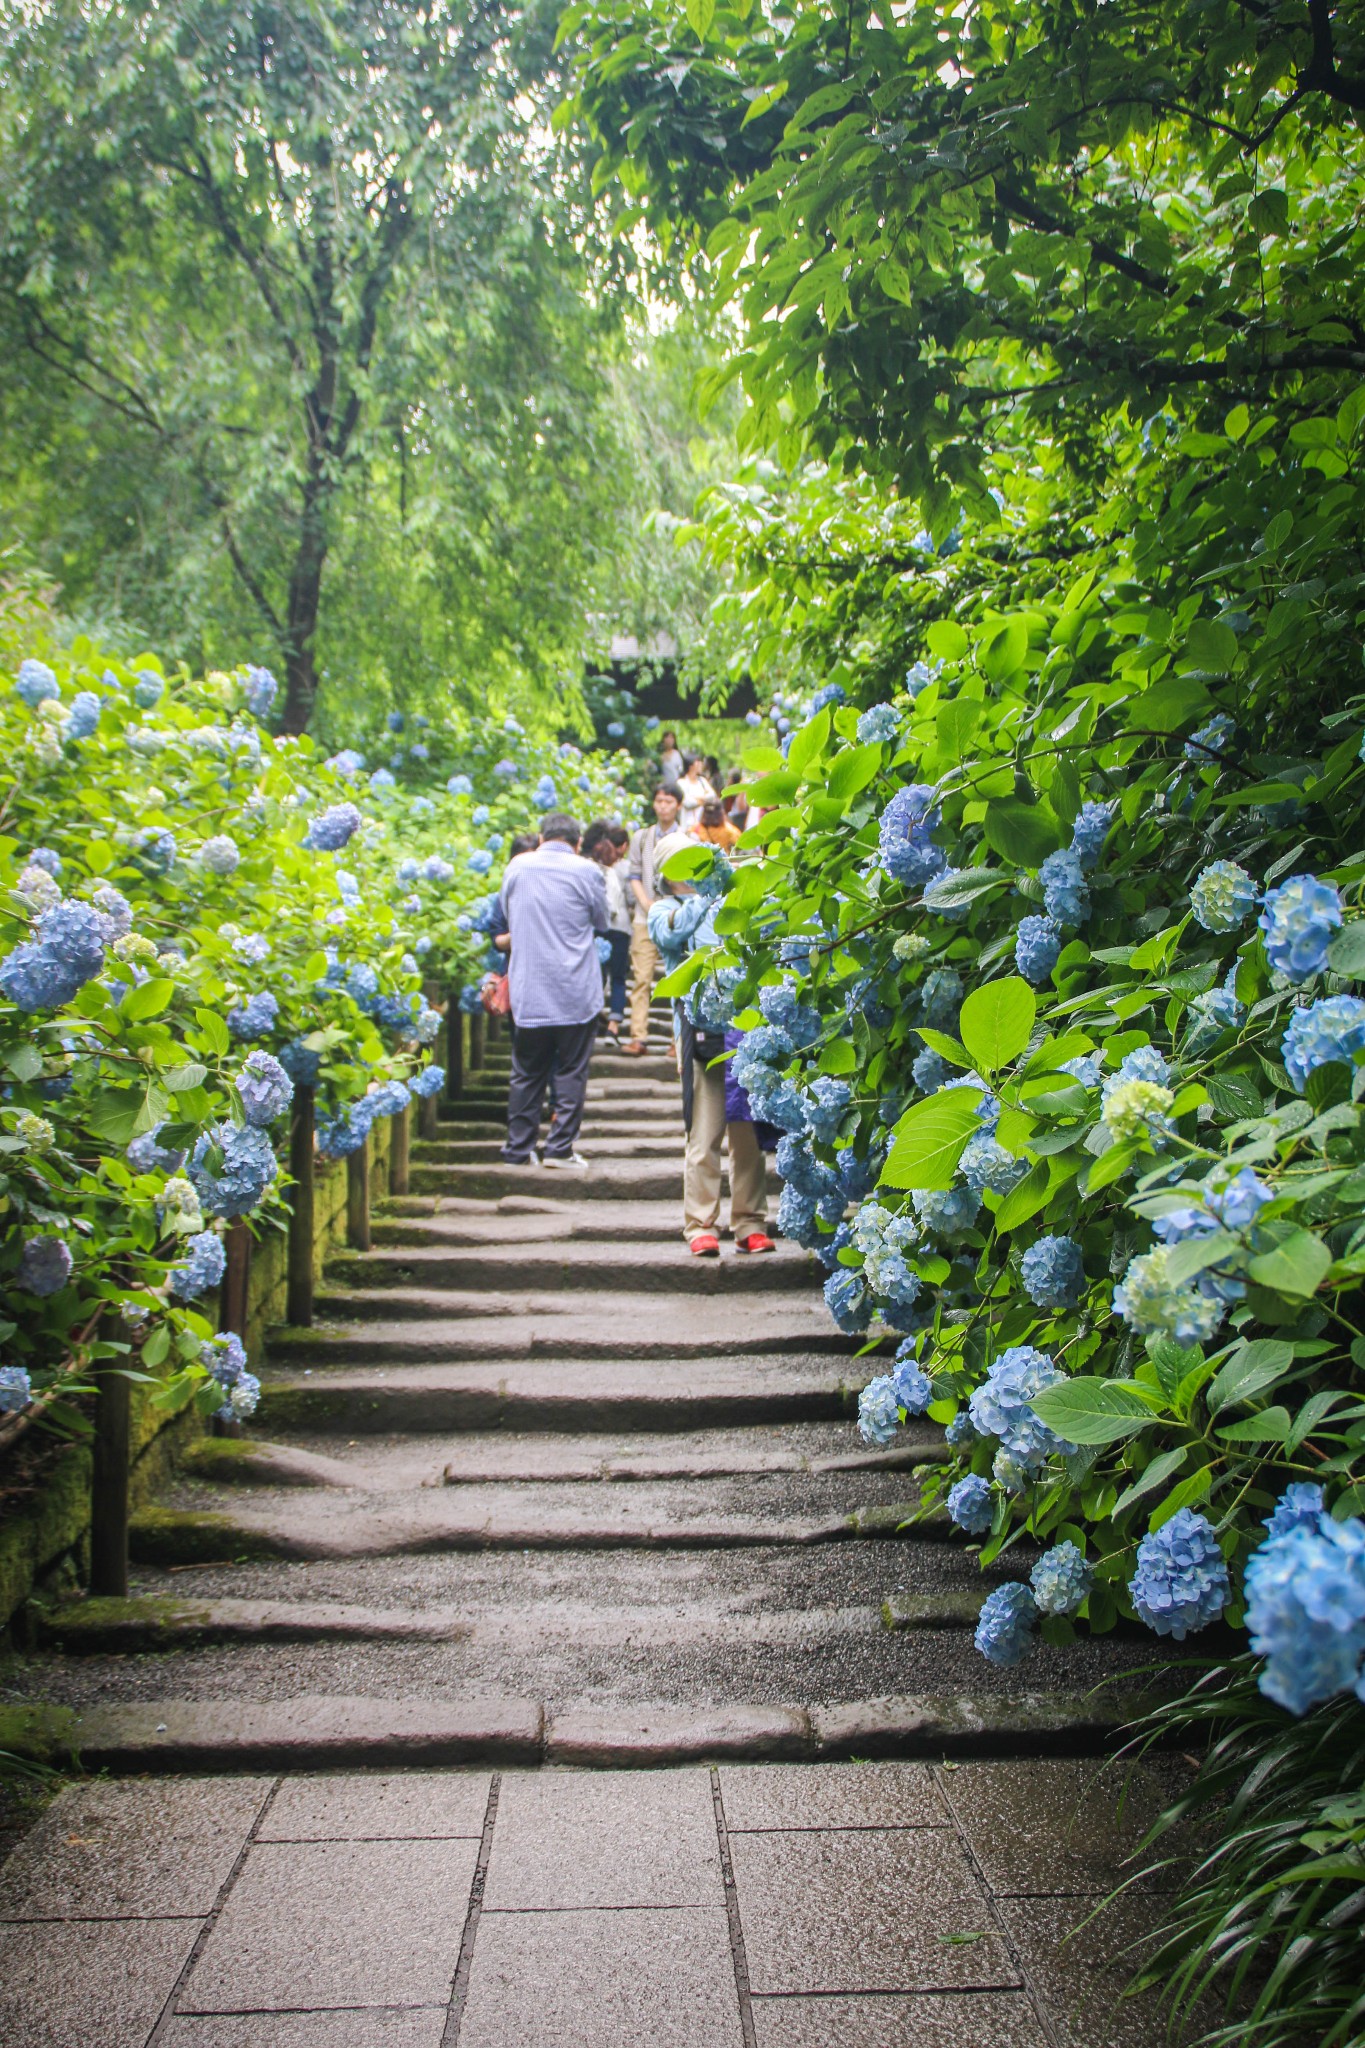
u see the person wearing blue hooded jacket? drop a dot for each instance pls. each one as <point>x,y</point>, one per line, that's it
<point>716,1110</point>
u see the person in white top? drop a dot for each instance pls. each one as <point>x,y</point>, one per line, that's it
<point>695,790</point>
<point>606,843</point>
<point>670,760</point>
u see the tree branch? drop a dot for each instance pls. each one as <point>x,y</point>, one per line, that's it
<point>1321,74</point>
<point>250,581</point>
<point>234,241</point>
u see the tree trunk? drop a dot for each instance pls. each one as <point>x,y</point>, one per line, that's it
<point>305,597</point>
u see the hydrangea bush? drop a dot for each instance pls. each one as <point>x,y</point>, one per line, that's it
<point>1075,929</point>
<point>198,919</point>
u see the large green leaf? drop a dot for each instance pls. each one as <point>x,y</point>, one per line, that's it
<point>1297,1265</point>
<point>851,771</point>
<point>1093,1411</point>
<point>1022,833</point>
<point>997,1022</point>
<point>1253,1367</point>
<point>147,999</point>
<point>929,1139</point>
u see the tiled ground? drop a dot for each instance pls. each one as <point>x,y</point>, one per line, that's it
<point>876,1905</point>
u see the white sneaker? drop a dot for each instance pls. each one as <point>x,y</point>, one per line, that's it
<point>575,1163</point>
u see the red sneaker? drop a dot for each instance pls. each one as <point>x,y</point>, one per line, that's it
<point>755,1242</point>
<point>705,1246</point>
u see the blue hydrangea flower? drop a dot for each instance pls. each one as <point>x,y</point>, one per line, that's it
<point>1332,1029</point>
<point>1211,1014</point>
<point>332,829</point>
<point>1053,1272</point>
<point>430,1081</point>
<point>394,721</point>
<point>35,683</point>
<point>797,1164</point>
<point>880,722</point>
<point>1010,1473</point>
<point>913,1388</point>
<point>47,858</point>
<point>148,688</point>
<point>1298,1507</point>
<point>1002,1406</point>
<point>1086,1068</point>
<point>44,1265</point>
<point>254,1017</point>
<point>145,1153</point>
<point>1154,1304</point>
<point>219,854</point>
<point>1066,898</point>
<point>224,1358</point>
<point>259,690</point>
<point>205,1264</point>
<point>507,770</point>
<point>907,850</point>
<point>948,1212</point>
<point>825,1102</point>
<point>1210,740</point>
<point>971,1504</point>
<point>157,848</point>
<point>1090,831</point>
<point>940,999</point>
<point>300,1063</point>
<point>961,1431</point>
<point>16,1389</point>
<point>1005,1628</point>
<point>1223,897</point>
<point>1297,921</point>
<point>878,1411</point>
<point>231,1167</point>
<point>1181,1583</point>
<point>1037,948</point>
<point>438,871</point>
<point>265,1088</point>
<point>1305,1590</point>
<point>347,763</point>
<point>930,1070</point>
<point>828,693</point>
<point>847,1301</point>
<point>480,861</point>
<point>84,716</point>
<point>616,731</point>
<point>796,1217</point>
<point>545,796</point>
<point>986,1165</point>
<point>1061,1580</point>
<point>47,972</point>
<point>460,785</point>
<point>479,815</point>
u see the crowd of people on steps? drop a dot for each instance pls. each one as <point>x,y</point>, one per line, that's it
<point>575,905</point>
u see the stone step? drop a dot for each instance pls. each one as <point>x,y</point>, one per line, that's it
<point>572,1397</point>
<point>90,1628</point>
<point>404,1325</point>
<point>437,1522</point>
<point>602,1121</point>
<point>605,1144</point>
<point>503,1458</point>
<point>604,1180</point>
<point>604,1267</point>
<point>332,1731</point>
<point>424,1220</point>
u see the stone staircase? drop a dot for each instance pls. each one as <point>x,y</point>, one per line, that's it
<point>540,1485</point>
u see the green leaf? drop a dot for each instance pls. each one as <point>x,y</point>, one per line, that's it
<point>839,1056</point>
<point>25,1062</point>
<point>1197,1254</point>
<point>1271,1426</point>
<point>963,888</point>
<point>180,1080</point>
<point>929,1140</point>
<point>157,1345</point>
<point>946,640</point>
<point>1298,1265</point>
<point>214,1030</point>
<point>1212,645</point>
<point>1251,1369</point>
<point>680,980</point>
<point>1183,1496</point>
<point>955,724</point>
<point>1111,1166</point>
<point>1022,833</point>
<point>1093,1411</point>
<point>997,1021</point>
<point>701,14</point>
<point>147,999</point>
<point>1004,649</point>
<point>1156,1474</point>
<point>1170,704</point>
<point>1346,954</point>
<point>849,772</point>
<point>950,1048</point>
<point>1025,1198</point>
<point>809,743</point>
<point>688,862</point>
<point>1234,1096</point>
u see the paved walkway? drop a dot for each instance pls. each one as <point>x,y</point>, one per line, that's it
<point>541,1490</point>
<point>882,1905</point>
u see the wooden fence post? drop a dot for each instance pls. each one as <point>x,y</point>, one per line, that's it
<point>476,1024</point>
<point>109,1486</point>
<point>428,1118</point>
<point>398,1152</point>
<point>454,1046</point>
<point>232,1302</point>
<point>299,1295</point>
<point>358,1198</point>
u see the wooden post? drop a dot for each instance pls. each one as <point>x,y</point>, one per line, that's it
<point>476,1036</point>
<point>109,1487</point>
<point>299,1296</point>
<point>358,1198</point>
<point>454,1047</point>
<point>428,1126</point>
<point>398,1152</point>
<point>232,1302</point>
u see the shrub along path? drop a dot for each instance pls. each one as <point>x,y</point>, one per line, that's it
<point>541,1489</point>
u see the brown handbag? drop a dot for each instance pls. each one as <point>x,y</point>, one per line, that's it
<point>496,996</point>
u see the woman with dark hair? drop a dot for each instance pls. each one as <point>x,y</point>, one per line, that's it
<point>604,842</point>
<point>670,759</point>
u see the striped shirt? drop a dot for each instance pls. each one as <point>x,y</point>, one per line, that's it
<point>555,904</point>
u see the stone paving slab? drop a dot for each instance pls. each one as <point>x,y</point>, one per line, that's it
<point>404,1806</point>
<point>89,1984</point>
<point>325,1924</point>
<point>367,2027</point>
<point>990,2019</point>
<point>862,1909</point>
<point>876,1795</point>
<point>131,1851</point>
<point>1055,1824</point>
<point>623,1979</point>
<point>604,1840</point>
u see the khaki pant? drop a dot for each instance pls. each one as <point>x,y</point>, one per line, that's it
<point>701,1171</point>
<point>644,965</point>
